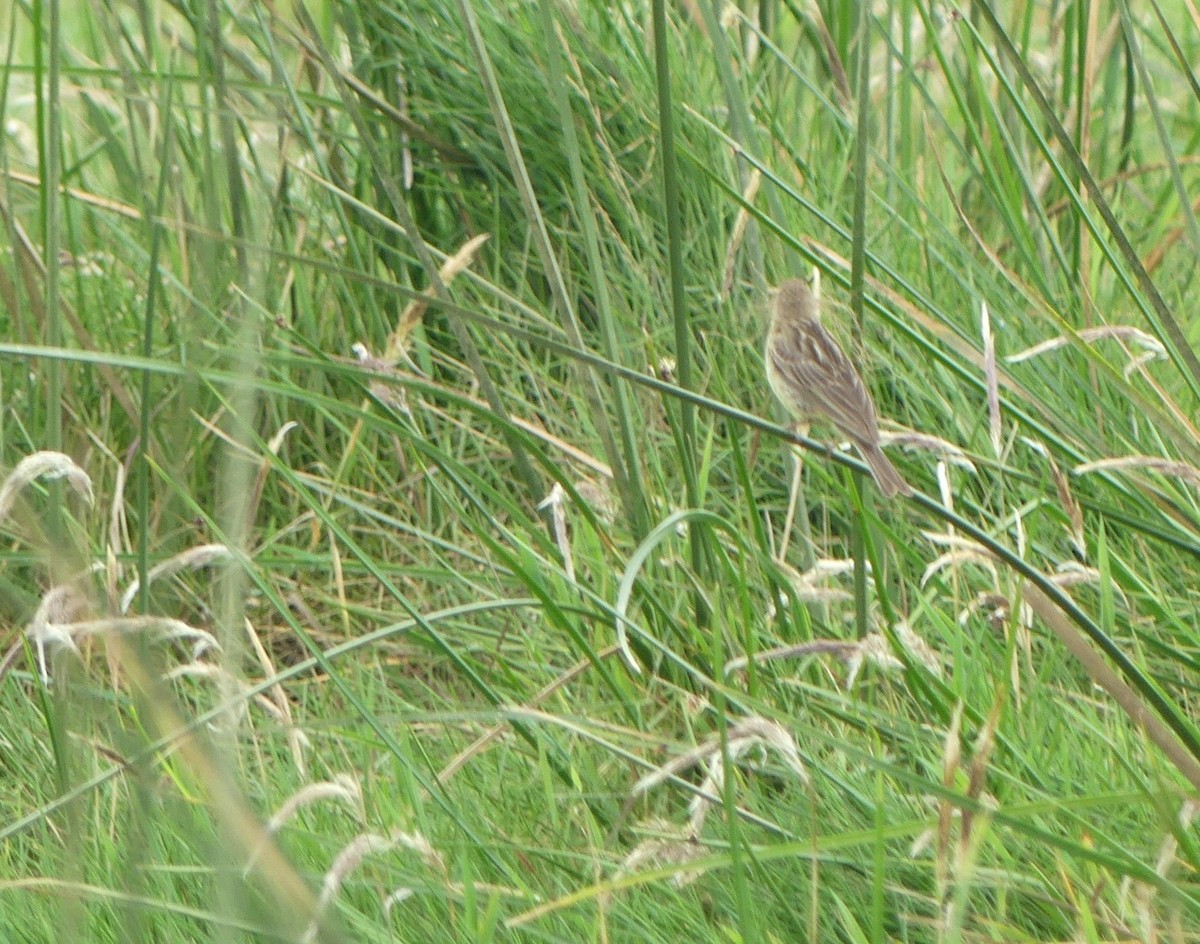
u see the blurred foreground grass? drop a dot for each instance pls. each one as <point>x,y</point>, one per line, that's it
<point>428,509</point>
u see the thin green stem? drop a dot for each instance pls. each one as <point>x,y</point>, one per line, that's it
<point>679,307</point>
<point>858,256</point>
<point>153,214</point>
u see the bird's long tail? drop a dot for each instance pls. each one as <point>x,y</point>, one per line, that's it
<point>890,481</point>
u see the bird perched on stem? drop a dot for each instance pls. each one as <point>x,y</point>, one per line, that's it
<point>812,376</point>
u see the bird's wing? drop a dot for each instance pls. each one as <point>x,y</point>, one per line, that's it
<point>814,364</point>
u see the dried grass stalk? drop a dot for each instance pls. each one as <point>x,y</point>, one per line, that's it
<point>43,465</point>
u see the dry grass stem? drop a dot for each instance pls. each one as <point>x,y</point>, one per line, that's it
<point>191,559</point>
<point>1103,675</point>
<point>951,762</point>
<point>802,650</point>
<point>1144,893</point>
<point>916,647</point>
<point>623,646</point>
<point>352,856</point>
<point>460,759</point>
<point>877,649</point>
<point>558,525</point>
<point>1073,573</point>
<point>236,708</point>
<point>946,490</point>
<point>1070,506</point>
<point>460,891</point>
<point>1152,348</point>
<point>342,787</point>
<point>349,859</point>
<point>742,737</point>
<point>1035,445</point>
<point>977,771</point>
<point>991,377</point>
<point>399,896</point>
<point>1168,467</point>
<point>670,846</point>
<point>83,196</point>
<point>739,231</point>
<point>955,541</point>
<point>45,632</point>
<point>806,586</point>
<point>43,465</point>
<point>406,155</point>
<point>58,607</point>
<point>412,315</point>
<point>118,535</point>
<point>297,740</point>
<point>573,452</point>
<point>923,442</point>
<point>274,444</point>
<point>978,555</point>
<point>1169,850</point>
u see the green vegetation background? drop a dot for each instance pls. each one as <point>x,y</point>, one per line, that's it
<point>429,502</point>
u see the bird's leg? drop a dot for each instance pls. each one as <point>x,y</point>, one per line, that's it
<point>793,496</point>
<point>796,498</point>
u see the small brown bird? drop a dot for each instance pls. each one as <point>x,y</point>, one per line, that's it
<point>812,376</point>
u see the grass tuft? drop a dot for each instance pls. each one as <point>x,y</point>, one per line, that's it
<point>399,538</point>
